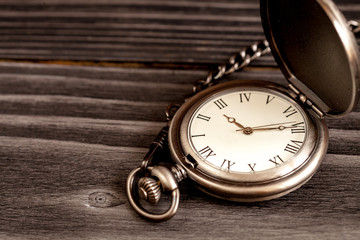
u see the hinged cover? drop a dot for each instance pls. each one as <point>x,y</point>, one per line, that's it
<point>316,50</point>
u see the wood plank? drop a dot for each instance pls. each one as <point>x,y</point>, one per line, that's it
<point>66,149</point>
<point>132,133</point>
<point>69,134</point>
<point>70,190</point>
<point>163,31</point>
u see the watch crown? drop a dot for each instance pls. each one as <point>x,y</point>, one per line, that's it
<point>149,189</point>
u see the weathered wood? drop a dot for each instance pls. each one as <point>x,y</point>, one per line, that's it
<point>72,190</point>
<point>133,133</point>
<point>66,150</point>
<point>70,134</point>
<point>134,31</point>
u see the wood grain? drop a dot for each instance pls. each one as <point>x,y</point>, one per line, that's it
<point>50,187</point>
<point>198,32</point>
<point>66,150</point>
<point>70,134</point>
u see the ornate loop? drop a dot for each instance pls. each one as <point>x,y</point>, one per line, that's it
<point>175,194</point>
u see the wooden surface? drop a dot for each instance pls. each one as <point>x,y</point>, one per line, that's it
<point>83,88</point>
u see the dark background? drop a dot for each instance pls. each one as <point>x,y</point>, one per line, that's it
<point>83,89</point>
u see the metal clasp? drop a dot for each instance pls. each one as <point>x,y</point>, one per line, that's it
<point>148,190</point>
<point>152,180</point>
<point>156,146</point>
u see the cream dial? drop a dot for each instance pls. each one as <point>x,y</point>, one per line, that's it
<point>247,131</point>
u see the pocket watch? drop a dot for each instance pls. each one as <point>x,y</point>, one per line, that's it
<point>256,140</point>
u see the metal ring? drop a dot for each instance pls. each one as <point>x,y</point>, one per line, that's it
<point>175,194</point>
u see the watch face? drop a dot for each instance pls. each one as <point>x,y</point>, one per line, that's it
<point>247,140</point>
<point>247,130</point>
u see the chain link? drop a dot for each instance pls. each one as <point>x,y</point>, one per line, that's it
<point>354,26</point>
<point>235,63</point>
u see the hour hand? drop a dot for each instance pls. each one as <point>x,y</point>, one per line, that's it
<point>233,120</point>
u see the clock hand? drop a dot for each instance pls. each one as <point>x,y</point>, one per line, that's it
<point>273,124</point>
<point>246,130</point>
<point>233,120</point>
<point>266,127</point>
<point>281,127</point>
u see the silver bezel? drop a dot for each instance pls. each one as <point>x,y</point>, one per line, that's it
<point>247,186</point>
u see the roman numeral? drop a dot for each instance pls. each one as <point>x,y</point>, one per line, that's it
<point>245,96</point>
<point>198,135</point>
<point>203,117</point>
<point>298,128</point>
<point>290,111</point>
<point>252,166</point>
<point>207,152</point>
<point>269,99</point>
<point>293,148</point>
<point>227,165</point>
<point>220,103</point>
<point>276,159</point>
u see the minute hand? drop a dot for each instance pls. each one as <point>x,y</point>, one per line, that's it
<point>274,124</point>
<point>262,127</point>
<point>281,127</point>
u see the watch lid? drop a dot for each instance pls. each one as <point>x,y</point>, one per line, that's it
<point>316,51</point>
